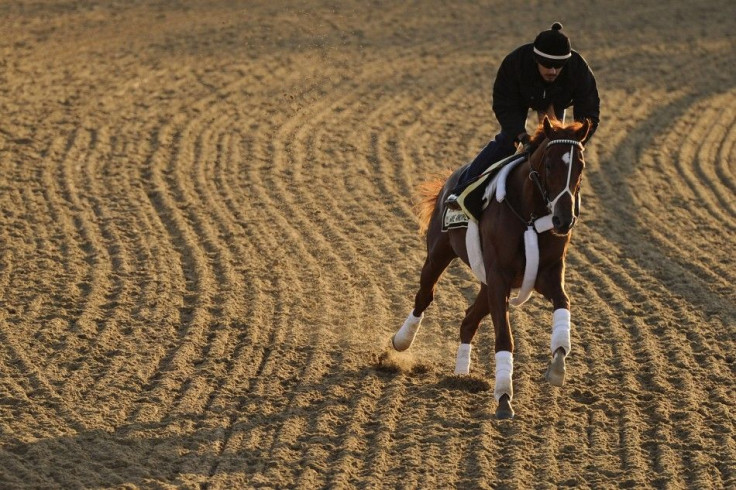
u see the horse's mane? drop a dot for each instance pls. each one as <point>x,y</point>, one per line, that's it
<point>564,130</point>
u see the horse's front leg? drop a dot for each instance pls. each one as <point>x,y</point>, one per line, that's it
<point>498,302</point>
<point>551,284</point>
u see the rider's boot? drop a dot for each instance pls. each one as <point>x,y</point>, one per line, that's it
<point>451,202</point>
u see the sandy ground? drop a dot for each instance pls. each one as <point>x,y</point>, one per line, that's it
<point>207,240</point>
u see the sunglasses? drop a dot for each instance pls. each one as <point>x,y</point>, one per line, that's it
<point>551,64</point>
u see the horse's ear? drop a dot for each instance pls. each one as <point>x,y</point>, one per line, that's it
<point>547,125</point>
<point>582,133</point>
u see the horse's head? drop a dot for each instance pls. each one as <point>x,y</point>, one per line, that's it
<point>559,170</point>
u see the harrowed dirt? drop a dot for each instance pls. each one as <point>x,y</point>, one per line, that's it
<point>207,241</point>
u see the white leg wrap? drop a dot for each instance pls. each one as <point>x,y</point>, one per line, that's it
<point>560,330</point>
<point>405,336</point>
<point>504,372</point>
<point>462,363</point>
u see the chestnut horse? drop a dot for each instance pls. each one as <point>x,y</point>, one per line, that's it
<point>542,189</point>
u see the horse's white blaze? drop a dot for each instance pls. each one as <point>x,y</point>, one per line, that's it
<point>462,363</point>
<point>560,330</point>
<point>405,336</point>
<point>504,372</point>
<point>567,158</point>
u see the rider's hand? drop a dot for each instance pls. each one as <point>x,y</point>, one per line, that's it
<point>523,143</point>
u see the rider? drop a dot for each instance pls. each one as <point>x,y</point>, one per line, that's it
<point>546,76</point>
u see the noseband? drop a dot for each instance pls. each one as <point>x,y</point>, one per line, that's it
<point>567,158</point>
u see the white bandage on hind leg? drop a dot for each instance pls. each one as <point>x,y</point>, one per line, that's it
<point>462,363</point>
<point>504,372</point>
<point>560,331</point>
<point>405,336</point>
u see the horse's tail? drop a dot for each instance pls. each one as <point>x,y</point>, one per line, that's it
<point>425,200</point>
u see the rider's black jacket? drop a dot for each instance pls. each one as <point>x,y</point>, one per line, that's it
<point>519,87</point>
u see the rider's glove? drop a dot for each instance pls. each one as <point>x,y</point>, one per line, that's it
<point>523,143</point>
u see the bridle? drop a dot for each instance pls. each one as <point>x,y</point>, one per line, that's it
<point>568,159</point>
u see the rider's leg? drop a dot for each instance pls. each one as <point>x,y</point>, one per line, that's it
<point>500,147</point>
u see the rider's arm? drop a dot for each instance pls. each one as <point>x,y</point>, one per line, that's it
<point>508,104</point>
<point>586,102</point>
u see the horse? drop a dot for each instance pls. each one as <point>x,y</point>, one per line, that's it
<point>540,207</point>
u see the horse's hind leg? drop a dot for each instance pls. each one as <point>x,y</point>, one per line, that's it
<point>438,258</point>
<point>473,316</point>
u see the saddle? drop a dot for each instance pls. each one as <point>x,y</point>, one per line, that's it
<point>476,195</point>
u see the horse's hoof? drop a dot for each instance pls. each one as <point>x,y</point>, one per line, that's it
<point>504,410</point>
<point>556,369</point>
<point>398,348</point>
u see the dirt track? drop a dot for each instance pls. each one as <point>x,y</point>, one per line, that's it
<point>207,240</point>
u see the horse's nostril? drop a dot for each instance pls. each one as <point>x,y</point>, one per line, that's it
<point>556,221</point>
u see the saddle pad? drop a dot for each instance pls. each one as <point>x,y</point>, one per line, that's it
<point>454,218</point>
<point>473,198</point>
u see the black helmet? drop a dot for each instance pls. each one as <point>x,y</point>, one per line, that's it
<point>552,47</point>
